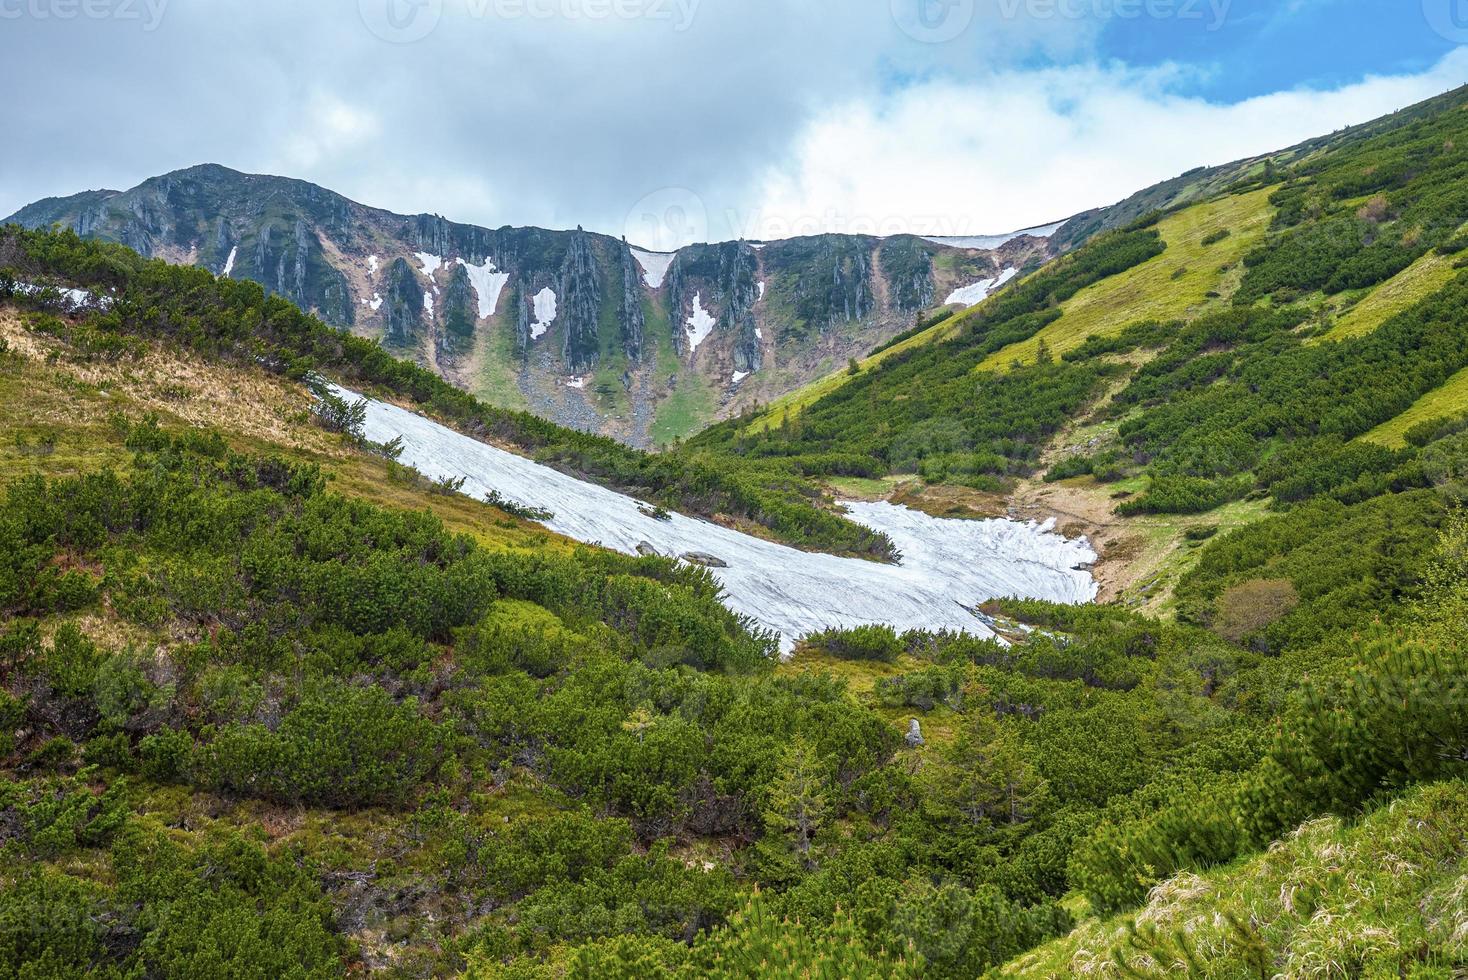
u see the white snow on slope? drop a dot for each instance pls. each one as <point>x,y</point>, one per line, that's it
<point>948,566</point>
<point>761,289</point>
<point>371,267</point>
<point>375,302</point>
<point>428,304</point>
<point>654,266</point>
<point>979,291</point>
<point>700,325</point>
<point>229,262</point>
<point>431,263</point>
<point>488,284</point>
<point>545,312</point>
<point>993,241</point>
<point>73,299</point>
<point>740,376</point>
<point>577,383</point>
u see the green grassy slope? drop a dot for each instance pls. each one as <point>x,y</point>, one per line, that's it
<point>1384,896</point>
<point>1184,281</point>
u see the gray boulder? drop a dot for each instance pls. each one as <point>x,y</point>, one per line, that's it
<point>914,734</point>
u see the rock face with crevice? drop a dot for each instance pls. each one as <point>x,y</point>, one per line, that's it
<point>579,305</point>
<point>404,306</point>
<point>616,358</point>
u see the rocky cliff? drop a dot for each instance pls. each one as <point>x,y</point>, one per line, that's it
<point>582,328</point>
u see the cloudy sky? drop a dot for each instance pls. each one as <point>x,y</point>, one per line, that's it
<point>675,120</point>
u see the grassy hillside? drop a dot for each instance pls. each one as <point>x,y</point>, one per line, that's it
<point>274,703</point>
<point>1199,270</point>
<point>262,683</point>
<point>1446,401</point>
<point>1382,896</point>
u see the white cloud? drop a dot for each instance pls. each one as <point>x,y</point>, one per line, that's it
<point>1020,148</point>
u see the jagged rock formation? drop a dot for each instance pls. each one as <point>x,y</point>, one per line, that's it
<point>907,263</point>
<point>457,313</point>
<point>629,310</point>
<point>802,305</point>
<point>579,305</point>
<point>404,305</point>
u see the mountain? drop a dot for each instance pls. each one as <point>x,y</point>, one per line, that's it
<point>579,328</point>
<point>275,702</point>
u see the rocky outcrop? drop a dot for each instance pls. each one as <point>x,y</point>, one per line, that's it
<point>579,305</point>
<point>633,320</point>
<point>739,291</point>
<point>907,264</point>
<point>832,281</point>
<point>404,305</point>
<point>458,314</point>
<point>798,303</point>
<point>726,278</point>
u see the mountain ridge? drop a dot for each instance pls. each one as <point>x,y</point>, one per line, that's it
<point>621,352</point>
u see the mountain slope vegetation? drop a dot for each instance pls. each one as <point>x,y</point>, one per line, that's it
<point>274,702</point>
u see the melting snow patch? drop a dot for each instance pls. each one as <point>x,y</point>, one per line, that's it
<point>948,566</point>
<point>654,266</point>
<point>992,241</point>
<point>371,267</point>
<point>759,334</point>
<point>700,325</point>
<point>979,291</point>
<point>428,304</point>
<point>488,284</point>
<point>375,302</point>
<point>761,289</point>
<point>576,383</point>
<point>740,376</point>
<point>229,262</point>
<point>545,312</point>
<point>431,263</point>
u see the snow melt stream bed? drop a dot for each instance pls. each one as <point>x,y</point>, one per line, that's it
<point>947,565</point>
